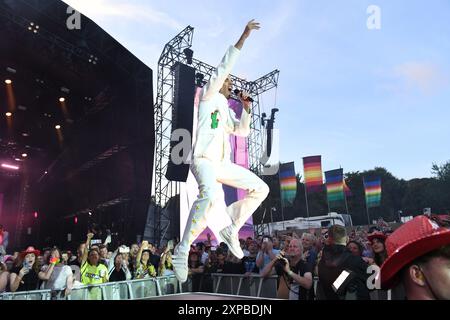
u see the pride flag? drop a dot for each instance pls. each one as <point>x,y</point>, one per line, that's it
<point>334,180</point>
<point>372,188</point>
<point>348,192</point>
<point>288,183</point>
<point>312,167</point>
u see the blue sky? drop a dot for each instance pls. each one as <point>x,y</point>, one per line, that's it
<point>360,98</point>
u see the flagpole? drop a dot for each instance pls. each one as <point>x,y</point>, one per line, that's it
<point>281,195</point>
<point>367,206</point>
<point>328,202</point>
<point>345,200</point>
<point>306,197</point>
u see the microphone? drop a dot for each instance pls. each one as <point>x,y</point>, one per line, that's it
<point>238,92</point>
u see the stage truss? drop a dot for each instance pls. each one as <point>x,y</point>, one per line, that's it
<point>172,54</point>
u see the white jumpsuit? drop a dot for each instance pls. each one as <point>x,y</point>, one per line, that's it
<point>211,163</point>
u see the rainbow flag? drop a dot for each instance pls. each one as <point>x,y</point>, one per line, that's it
<point>348,192</point>
<point>334,181</point>
<point>288,183</point>
<point>372,188</point>
<point>312,167</point>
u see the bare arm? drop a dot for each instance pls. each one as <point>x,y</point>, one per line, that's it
<point>267,271</point>
<point>45,275</point>
<point>4,280</point>
<point>86,248</point>
<point>139,254</point>
<point>15,279</point>
<point>306,281</point>
<point>252,25</point>
<point>260,259</point>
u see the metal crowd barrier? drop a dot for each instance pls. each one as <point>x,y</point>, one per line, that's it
<point>124,290</point>
<point>28,295</point>
<point>241,285</point>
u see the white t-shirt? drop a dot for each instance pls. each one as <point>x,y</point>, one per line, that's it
<point>58,279</point>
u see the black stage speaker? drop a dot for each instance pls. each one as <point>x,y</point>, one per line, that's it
<point>182,118</point>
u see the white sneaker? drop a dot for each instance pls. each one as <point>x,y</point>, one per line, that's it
<point>231,237</point>
<point>180,265</point>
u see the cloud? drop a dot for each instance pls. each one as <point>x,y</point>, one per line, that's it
<point>426,77</point>
<point>107,9</point>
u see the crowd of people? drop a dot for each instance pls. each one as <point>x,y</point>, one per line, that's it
<point>61,271</point>
<point>329,263</point>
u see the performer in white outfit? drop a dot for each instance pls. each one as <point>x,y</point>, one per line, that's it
<point>211,163</point>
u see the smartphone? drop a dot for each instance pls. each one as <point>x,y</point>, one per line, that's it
<point>340,280</point>
<point>170,244</point>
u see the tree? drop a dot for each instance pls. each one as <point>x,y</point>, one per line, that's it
<point>441,172</point>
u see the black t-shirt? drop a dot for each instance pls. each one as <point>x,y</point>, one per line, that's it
<point>234,268</point>
<point>250,264</point>
<point>29,282</point>
<point>216,268</point>
<point>116,276</point>
<point>301,268</point>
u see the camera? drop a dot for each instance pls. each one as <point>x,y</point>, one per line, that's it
<point>280,264</point>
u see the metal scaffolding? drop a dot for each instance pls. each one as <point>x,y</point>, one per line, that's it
<point>173,53</point>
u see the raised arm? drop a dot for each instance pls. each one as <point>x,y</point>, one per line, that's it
<point>139,255</point>
<point>45,275</point>
<point>218,77</point>
<point>111,260</point>
<point>252,25</point>
<point>86,248</point>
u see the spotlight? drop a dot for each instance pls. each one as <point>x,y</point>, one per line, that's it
<point>8,166</point>
<point>57,127</point>
<point>8,114</point>
<point>189,54</point>
<point>24,155</point>
<point>90,213</point>
<point>8,81</point>
<point>62,99</point>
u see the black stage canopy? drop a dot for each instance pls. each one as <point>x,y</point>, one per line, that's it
<point>100,160</point>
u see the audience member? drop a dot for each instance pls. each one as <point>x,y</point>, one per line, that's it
<point>266,254</point>
<point>335,260</point>
<point>295,275</point>
<point>24,277</point>
<point>56,276</point>
<point>419,259</point>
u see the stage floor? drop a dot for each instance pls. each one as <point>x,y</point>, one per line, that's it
<point>204,296</point>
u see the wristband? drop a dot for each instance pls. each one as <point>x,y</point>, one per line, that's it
<point>290,273</point>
